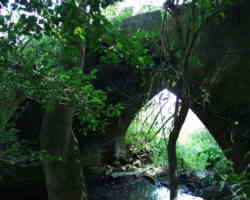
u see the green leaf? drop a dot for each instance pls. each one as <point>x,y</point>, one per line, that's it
<point>80,32</point>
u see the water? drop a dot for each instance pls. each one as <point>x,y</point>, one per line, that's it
<point>135,189</point>
<point>162,193</point>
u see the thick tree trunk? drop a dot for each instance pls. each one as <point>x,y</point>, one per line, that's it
<point>179,119</point>
<point>62,167</point>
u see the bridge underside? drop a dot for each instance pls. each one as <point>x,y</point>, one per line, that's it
<point>226,115</point>
<point>228,112</point>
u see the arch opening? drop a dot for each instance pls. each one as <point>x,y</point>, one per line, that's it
<point>197,150</point>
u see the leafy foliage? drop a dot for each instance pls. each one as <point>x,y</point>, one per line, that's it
<point>115,15</point>
<point>239,185</point>
<point>198,154</point>
<point>44,42</point>
<point>121,49</point>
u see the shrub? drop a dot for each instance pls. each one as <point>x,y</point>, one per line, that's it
<point>200,153</point>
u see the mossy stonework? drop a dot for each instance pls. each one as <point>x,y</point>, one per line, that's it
<point>225,42</point>
<point>229,98</point>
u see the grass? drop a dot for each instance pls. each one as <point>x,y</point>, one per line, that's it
<point>198,153</point>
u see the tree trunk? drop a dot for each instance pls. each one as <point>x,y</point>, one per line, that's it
<point>62,167</point>
<point>181,111</point>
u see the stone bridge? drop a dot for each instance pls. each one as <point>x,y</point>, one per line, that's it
<point>227,114</point>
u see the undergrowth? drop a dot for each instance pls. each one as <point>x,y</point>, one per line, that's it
<point>198,154</point>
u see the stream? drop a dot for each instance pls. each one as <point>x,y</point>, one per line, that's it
<point>162,193</point>
<point>105,188</point>
<point>134,188</point>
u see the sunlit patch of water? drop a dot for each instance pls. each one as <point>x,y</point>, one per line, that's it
<point>162,193</point>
